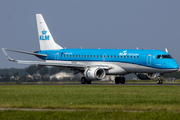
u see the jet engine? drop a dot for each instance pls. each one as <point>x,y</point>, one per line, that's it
<point>94,73</point>
<point>146,76</point>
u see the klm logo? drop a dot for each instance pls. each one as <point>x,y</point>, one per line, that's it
<point>44,36</point>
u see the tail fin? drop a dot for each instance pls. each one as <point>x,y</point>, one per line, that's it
<point>46,40</point>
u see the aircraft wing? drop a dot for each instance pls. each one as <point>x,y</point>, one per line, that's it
<point>53,63</point>
<point>23,52</point>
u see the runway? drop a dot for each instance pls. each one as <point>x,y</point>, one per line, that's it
<point>105,84</point>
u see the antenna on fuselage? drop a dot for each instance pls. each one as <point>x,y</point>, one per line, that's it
<point>137,48</point>
<point>166,50</point>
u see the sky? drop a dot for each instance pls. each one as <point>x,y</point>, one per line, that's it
<point>109,24</point>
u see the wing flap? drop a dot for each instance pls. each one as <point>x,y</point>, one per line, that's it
<point>44,63</point>
<point>59,64</point>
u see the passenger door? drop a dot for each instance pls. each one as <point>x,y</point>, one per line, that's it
<point>149,59</point>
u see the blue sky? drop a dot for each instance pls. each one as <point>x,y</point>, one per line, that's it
<point>111,24</point>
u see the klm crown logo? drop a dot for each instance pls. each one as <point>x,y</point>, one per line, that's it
<point>44,36</point>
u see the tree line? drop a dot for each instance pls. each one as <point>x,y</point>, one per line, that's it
<point>175,75</point>
<point>13,74</point>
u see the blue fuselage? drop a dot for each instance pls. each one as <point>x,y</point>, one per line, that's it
<point>147,58</point>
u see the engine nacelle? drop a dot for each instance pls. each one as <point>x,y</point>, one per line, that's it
<point>94,73</point>
<point>146,76</point>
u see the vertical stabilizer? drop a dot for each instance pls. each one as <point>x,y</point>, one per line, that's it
<point>46,40</point>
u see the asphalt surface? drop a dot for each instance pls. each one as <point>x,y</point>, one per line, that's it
<point>127,84</point>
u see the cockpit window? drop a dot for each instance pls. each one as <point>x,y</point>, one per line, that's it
<point>166,56</point>
<point>159,56</point>
<point>163,56</point>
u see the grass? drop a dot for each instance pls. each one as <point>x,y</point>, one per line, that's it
<point>84,115</point>
<point>109,102</point>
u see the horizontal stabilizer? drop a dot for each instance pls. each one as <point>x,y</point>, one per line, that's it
<point>24,52</point>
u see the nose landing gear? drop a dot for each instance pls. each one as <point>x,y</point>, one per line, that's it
<point>159,81</point>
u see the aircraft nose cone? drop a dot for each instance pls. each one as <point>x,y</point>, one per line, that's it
<point>174,66</point>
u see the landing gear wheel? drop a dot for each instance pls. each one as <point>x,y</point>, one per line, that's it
<point>122,80</point>
<point>83,80</point>
<point>88,81</point>
<point>117,80</point>
<point>159,81</point>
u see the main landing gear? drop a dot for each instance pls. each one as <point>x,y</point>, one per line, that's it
<point>159,81</point>
<point>84,81</point>
<point>120,80</point>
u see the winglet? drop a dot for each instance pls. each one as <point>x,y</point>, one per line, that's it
<point>10,59</point>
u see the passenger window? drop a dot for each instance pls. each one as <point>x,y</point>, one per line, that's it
<point>133,56</point>
<point>114,56</point>
<point>117,56</point>
<point>100,56</point>
<point>84,55</point>
<point>121,56</point>
<point>93,55</point>
<point>127,56</point>
<point>78,55</point>
<point>63,55</point>
<point>108,56</point>
<point>97,56</point>
<point>124,56</point>
<point>137,56</point>
<point>87,55</point>
<point>130,56</point>
<point>69,55</point>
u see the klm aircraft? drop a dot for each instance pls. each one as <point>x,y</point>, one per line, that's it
<point>95,64</point>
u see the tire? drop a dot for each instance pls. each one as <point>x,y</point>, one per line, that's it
<point>83,80</point>
<point>123,80</point>
<point>117,80</point>
<point>161,81</point>
<point>158,81</point>
<point>89,82</point>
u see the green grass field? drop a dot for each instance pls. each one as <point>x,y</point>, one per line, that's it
<point>90,102</point>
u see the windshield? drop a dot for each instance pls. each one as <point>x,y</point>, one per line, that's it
<point>163,56</point>
<point>166,56</point>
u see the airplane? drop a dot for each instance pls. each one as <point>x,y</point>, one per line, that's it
<point>95,64</point>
